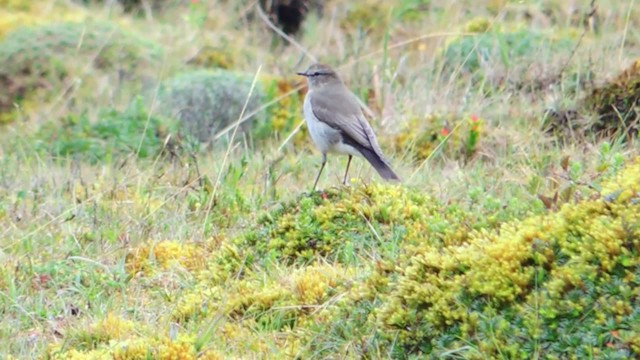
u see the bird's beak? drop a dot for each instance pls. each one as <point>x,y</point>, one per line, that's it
<point>302,74</point>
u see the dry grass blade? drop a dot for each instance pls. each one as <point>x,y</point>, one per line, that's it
<point>228,151</point>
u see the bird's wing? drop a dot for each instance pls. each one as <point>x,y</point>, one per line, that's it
<point>342,112</point>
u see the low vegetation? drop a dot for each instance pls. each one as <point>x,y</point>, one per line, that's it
<point>138,223</point>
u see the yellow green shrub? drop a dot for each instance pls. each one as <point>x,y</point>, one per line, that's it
<point>461,283</point>
<point>278,302</point>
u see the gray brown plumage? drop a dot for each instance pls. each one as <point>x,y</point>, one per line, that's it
<point>337,124</point>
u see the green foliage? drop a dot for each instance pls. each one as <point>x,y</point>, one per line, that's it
<point>204,102</point>
<point>113,134</point>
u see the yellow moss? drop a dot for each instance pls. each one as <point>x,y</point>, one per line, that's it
<point>245,337</point>
<point>73,354</point>
<point>313,284</point>
<point>164,255</point>
<point>252,296</point>
<point>181,349</point>
<point>137,349</point>
<point>112,327</point>
<point>189,305</point>
<point>624,185</point>
<point>210,355</point>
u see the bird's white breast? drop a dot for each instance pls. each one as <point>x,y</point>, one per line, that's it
<point>326,138</point>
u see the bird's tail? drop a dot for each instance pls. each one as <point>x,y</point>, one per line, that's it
<point>380,164</point>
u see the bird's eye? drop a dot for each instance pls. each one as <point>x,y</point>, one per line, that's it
<point>316,73</point>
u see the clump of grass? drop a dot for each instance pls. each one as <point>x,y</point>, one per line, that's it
<point>205,101</point>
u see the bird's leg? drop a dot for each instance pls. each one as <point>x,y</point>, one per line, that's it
<point>344,182</point>
<point>324,161</point>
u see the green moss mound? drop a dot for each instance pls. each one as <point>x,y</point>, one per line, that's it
<point>556,285</point>
<point>43,57</point>
<point>430,281</point>
<point>206,101</point>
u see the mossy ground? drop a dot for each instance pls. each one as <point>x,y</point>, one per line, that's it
<point>117,242</point>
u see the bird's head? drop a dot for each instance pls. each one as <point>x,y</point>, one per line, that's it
<point>319,75</point>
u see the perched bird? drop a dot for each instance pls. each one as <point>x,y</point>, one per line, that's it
<point>336,122</point>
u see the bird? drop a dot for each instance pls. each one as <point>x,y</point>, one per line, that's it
<point>337,124</point>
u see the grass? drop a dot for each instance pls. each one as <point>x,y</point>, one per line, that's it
<point>221,252</point>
